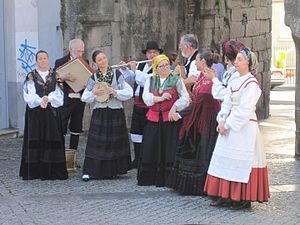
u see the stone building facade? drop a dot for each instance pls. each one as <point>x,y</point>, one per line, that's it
<point>122,27</point>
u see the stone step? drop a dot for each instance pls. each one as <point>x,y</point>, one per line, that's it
<point>8,133</point>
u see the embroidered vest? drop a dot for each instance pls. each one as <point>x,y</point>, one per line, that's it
<point>43,88</point>
<point>165,106</point>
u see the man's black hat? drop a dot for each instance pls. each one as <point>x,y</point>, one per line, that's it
<point>152,45</point>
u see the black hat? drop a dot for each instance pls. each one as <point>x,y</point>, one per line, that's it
<point>152,45</point>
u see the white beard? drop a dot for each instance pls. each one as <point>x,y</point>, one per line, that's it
<point>184,55</point>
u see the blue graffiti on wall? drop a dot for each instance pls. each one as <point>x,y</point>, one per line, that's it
<point>27,56</point>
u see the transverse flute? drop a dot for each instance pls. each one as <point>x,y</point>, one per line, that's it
<point>117,66</point>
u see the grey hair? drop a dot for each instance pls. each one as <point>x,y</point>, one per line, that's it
<point>190,40</point>
<point>74,42</point>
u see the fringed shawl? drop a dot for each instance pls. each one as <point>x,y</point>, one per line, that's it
<point>204,109</point>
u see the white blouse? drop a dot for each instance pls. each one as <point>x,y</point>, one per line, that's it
<point>124,93</point>
<point>181,103</point>
<point>55,98</point>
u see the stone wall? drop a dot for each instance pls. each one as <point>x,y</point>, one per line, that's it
<point>122,27</point>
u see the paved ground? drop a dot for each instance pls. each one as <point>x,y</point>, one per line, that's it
<point>121,201</point>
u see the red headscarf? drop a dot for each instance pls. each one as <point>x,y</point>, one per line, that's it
<point>231,48</point>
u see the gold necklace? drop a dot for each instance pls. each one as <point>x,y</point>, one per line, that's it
<point>160,89</point>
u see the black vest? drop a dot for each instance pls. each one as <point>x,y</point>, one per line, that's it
<point>43,88</point>
<point>187,67</point>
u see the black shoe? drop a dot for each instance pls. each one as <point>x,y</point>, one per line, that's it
<point>85,177</point>
<point>241,205</point>
<point>77,166</point>
<point>221,202</point>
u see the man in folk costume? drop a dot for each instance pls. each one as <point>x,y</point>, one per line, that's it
<point>72,109</point>
<point>189,50</point>
<point>139,73</point>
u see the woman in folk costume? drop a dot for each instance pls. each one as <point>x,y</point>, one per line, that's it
<point>107,151</point>
<point>237,173</point>
<point>230,49</point>
<point>164,93</point>
<point>43,154</point>
<point>198,133</point>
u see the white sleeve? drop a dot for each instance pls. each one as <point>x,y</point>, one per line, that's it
<point>148,97</point>
<point>241,116</point>
<point>128,75</point>
<point>29,94</point>
<point>225,108</point>
<point>56,97</point>
<point>193,69</point>
<point>141,77</point>
<point>88,95</point>
<point>218,90</point>
<point>125,91</point>
<point>184,98</point>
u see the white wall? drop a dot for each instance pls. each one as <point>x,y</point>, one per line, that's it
<point>49,32</point>
<point>28,26</point>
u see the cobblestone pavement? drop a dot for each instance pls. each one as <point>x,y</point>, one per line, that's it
<point>121,201</point>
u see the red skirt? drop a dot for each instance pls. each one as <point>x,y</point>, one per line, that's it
<point>256,190</point>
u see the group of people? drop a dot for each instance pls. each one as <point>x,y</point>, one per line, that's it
<point>194,131</point>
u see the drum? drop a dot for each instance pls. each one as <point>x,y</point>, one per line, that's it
<point>101,86</point>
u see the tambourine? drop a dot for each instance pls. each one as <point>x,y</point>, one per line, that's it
<point>101,86</point>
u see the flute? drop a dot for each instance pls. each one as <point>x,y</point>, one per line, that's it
<point>117,66</point>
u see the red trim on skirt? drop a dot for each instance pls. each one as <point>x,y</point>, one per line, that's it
<point>257,189</point>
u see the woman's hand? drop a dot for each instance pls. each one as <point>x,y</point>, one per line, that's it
<point>221,128</point>
<point>172,114</point>
<point>111,91</point>
<point>165,96</point>
<point>175,117</point>
<point>99,92</point>
<point>44,102</point>
<point>209,73</point>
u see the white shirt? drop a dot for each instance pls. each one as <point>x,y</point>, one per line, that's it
<point>181,103</point>
<point>55,98</point>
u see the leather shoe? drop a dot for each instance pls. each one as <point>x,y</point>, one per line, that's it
<point>85,177</point>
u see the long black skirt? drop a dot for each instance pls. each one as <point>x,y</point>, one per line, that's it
<point>43,151</point>
<point>158,152</point>
<point>192,161</point>
<point>107,151</point>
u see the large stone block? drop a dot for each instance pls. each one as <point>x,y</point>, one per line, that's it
<point>246,41</point>
<point>260,67</point>
<point>263,13</point>
<point>265,26</point>
<point>253,28</point>
<point>234,3</point>
<point>260,43</point>
<point>264,55</point>
<point>236,14</point>
<point>236,30</point>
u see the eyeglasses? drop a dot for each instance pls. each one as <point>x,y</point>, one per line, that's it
<point>164,65</point>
